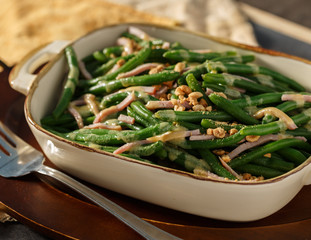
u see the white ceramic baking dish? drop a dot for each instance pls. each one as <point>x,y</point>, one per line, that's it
<point>226,200</point>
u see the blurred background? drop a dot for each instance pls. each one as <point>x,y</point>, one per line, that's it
<point>26,24</point>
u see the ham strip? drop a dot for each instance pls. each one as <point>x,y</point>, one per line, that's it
<point>138,70</point>
<point>129,146</point>
<point>126,119</point>
<point>77,116</point>
<point>226,166</point>
<point>113,109</point>
<point>103,126</point>
<point>201,137</point>
<point>296,97</point>
<point>127,44</point>
<point>171,135</point>
<point>139,33</point>
<point>276,113</point>
<point>152,105</point>
<point>248,145</point>
<point>84,71</point>
<point>90,101</point>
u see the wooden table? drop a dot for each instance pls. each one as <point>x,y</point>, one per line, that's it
<point>61,215</point>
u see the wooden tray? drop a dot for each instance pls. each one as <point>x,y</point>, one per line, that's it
<point>57,214</point>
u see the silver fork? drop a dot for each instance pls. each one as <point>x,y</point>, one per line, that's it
<point>17,158</point>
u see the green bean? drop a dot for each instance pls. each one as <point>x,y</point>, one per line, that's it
<point>268,148</point>
<point>196,87</point>
<point>237,59</point>
<point>104,68</point>
<point>253,69</point>
<point>133,62</point>
<point>143,112</point>
<point>147,150</point>
<point>137,118</point>
<point>228,90</point>
<point>215,165</point>
<point>111,99</point>
<point>213,143</point>
<point>208,123</point>
<point>142,80</point>
<point>286,107</point>
<point>275,127</point>
<point>171,115</point>
<point>236,81</point>
<point>274,163</point>
<point>131,36</point>
<point>257,100</point>
<point>186,160</point>
<point>192,126</point>
<point>232,109</point>
<point>269,82</point>
<point>118,137</point>
<point>63,119</point>
<point>292,155</point>
<point>190,56</point>
<point>71,82</point>
<point>100,56</point>
<point>196,71</point>
<point>301,131</point>
<point>116,51</point>
<point>257,170</point>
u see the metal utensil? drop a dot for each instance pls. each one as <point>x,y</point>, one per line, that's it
<point>17,158</point>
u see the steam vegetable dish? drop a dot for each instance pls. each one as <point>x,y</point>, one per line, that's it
<point>214,114</point>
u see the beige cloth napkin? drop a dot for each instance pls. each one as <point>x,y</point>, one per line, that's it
<point>221,18</point>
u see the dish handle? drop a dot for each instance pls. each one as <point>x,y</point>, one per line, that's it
<point>22,75</point>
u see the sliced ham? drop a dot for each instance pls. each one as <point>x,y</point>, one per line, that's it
<point>276,113</point>
<point>129,146</point>
<point>141,68</point>
<point>84,71</point>
<point>113,109</point>
<point>248,145</point>
<point>90,101</point>
<point>127,44</point>
<point>126,119</point>
<point>103,126</point>
<point>152,105</point>
<point>139,33</point>
<point>77,116</point>
<point>296,97</point>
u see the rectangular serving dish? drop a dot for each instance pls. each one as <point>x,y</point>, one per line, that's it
<point>226,200</point>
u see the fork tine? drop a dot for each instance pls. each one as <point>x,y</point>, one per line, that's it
<point>7,133</point>
<point>5,137</point>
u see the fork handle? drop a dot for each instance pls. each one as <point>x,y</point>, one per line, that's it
<point>142,227</point>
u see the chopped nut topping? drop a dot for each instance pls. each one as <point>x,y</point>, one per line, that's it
<point>193,97</point>
<point>198,108</point>
<point>182,90</point>
<point>252,138</point>
<point>268,155</point>
<point>246,176</point>
<point>221,94</point>
<point>219,132</point>
<point>209,131</point>
<point>156,69</point>
<point>120,62</point>
<point>203,102</point>
<point>209,108</point>
<point>226,158</point>
<point>179,67</point>
<point>233,131</point>
<point>219,152</point>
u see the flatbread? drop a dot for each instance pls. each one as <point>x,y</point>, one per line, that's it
<point>27,24</point>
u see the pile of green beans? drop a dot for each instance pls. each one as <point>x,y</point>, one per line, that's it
<point>231,88</point>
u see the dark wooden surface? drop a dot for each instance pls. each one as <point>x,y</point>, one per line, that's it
<point>45,212</point>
